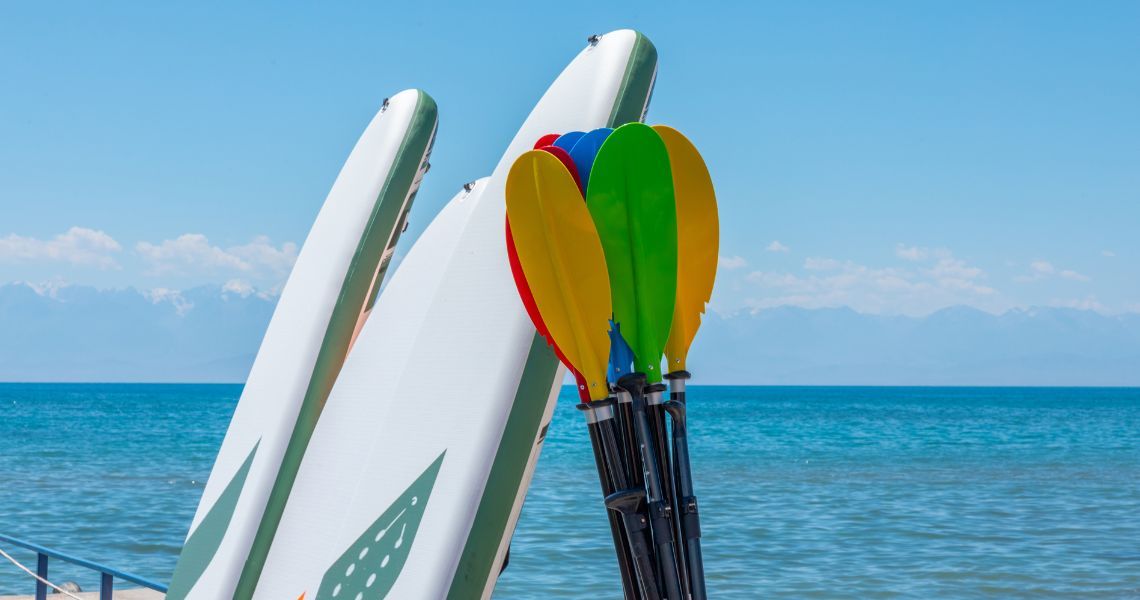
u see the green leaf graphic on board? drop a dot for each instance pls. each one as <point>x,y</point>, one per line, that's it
<point>203,544</point>
<point>371,565</point>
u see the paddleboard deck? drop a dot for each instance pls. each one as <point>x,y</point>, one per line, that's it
<point>324,302</point>
<point>414,478</point>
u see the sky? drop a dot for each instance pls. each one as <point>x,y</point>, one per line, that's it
<point>890,157</point>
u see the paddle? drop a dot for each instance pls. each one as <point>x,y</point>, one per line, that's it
<point>630,197</point>
<point>583,154</point>
<point>546,140</point>
<point>621,540</point>
<point>585,151</point>
<point>698,242</point>
<point>561,259</point>
<point>567,140</point>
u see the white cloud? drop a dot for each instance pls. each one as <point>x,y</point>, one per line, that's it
<point>174,297</point>
<point>1073,275</point>
<point>77,246</point>
<point>920,253</point>
<point>776,246</point>
<point>828,282</point>
<point>1107,253</point>
<point>1043,269</point>
<point>192,252</point>
<point>240,287</point>
<point>821,264</point>
<point>48,289</point>
<point>1086,303</point>
<point>244,289</point>
<point>954,273</point>
<point>728,263</point>
<point>911,253</point>
<point>262,253</point>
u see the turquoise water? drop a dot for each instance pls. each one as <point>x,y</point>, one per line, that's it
<point>805,492</point>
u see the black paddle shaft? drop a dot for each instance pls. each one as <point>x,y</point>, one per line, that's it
<point>688,518</point>
<point>625,432</point>
<point>595,413</point>
<point>628,501</point>
<point>655,408</point>
<point>631,461</point>
<point>658,508</point>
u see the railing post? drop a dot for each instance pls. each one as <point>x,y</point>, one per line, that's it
<point>41,570</point>
<point>107,575</point>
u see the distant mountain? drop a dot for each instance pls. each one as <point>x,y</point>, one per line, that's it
<point>954,346</point>
<point>76,333</point>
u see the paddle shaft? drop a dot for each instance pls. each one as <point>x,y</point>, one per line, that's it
<point>617,530</point>
<point>658,508</point>
<point>627,460</point>
<point>655,409</point>
<point>628,501</point>
<point>631,462</point>
<point>688,518</point>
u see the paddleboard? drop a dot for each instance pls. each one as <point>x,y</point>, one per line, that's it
<point>323,304</point>
<point>416,472</point>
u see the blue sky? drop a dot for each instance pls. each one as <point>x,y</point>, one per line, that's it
<point>894,157</point>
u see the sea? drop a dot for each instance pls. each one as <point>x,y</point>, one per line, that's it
<point>805,492</point>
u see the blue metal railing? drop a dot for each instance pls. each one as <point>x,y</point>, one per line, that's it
<point>107,575</point>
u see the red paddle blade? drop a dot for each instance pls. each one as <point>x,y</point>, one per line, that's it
<point>535,317</point>
<point>545,140</point>
<point>567,162</point>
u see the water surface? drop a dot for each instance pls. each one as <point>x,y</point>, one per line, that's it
<point>805,492</point>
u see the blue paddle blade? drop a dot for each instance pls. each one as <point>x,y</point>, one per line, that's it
<point>567,140</point>
<point>585,150</point>
<point>621,356</point>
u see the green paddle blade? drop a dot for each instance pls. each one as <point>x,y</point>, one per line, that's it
<point>630,197</point>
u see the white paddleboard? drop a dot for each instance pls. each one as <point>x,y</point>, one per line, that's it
<point>323,304</point>
<point>416,472</point>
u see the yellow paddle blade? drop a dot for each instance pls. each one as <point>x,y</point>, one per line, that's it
<point>561,257</point>
<point>698,242</point>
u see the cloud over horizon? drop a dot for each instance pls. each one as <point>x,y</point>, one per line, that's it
<point>93,257</point>
<point>211,333</point>
<point>78,246</point>
<point>192,252</point>
<point>918,281</point>
<point>936,279</point>
<point>1043,269</point>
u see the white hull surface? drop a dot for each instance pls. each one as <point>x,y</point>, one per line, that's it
<point>416,472</point>
<point>322,305</point>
